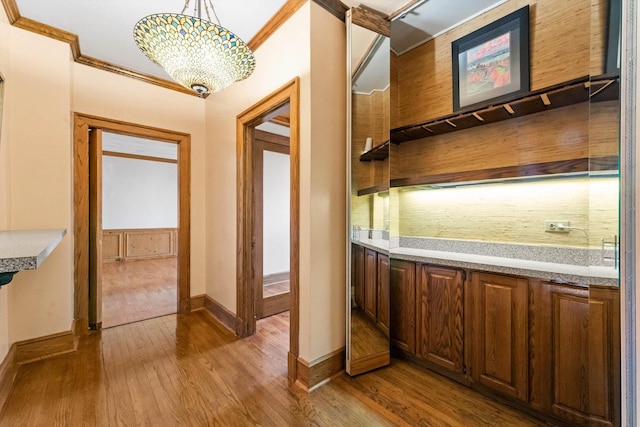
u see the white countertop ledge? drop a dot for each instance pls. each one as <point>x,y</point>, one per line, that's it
<point>27,249</point>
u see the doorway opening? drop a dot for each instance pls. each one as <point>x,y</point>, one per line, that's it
<point>139,228</point>
<point>92,244</point>
<point>271,189</point>
<point>279,107</point>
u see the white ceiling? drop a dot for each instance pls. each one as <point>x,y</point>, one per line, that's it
<point>105,27</point>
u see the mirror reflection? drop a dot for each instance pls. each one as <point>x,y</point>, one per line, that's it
<point>369,297</point>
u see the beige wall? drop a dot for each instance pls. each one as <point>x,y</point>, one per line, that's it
<point>43,88</point>
<point>322,195</point>
<point>115,97</point>
<point>4,187</point>
<point>326,303</point>
<point>281,58</point>
<point>38,139</point>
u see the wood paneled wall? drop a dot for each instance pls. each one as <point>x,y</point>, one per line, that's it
<point>370,118</point>
<point>138,244</point>
<point>561,49</point>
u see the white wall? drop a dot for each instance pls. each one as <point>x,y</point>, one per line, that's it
<point>139,193</point>
<point>275,213</point>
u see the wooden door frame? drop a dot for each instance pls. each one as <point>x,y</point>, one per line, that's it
<point>245,123</point>
<point>81,233</point>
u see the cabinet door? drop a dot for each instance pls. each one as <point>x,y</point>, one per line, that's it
<point>357,274</point>
<point>575,353</point>
<point>500,333</point>
<point>403,304</point>
<point>383,293</point>
<point>371,284</point>
<point>439,316</point>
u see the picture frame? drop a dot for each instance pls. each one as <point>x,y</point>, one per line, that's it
<point>612,50</point>
<point>492,63</point>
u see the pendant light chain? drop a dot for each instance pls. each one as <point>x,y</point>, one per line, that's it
<point>209,6</point>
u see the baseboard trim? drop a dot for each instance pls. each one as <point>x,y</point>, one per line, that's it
<point>8,372</point>
<point>220,313</point>
<point>311,375</point>
<point>197,302</point>
<point>45,347</point>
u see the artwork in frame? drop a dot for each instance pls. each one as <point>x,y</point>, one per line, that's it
<point>612,51</point>
<point>492,63</point>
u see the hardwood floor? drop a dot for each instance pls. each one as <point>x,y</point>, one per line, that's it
<point>138,290</point>
<point>189,370</point>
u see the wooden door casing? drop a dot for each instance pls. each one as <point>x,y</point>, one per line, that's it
<point>439,316</point>
<point>500,334</point>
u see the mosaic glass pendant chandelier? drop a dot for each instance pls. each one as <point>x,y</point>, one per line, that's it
<point>197,53</point>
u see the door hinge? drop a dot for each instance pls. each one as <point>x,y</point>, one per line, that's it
<point>466,370</point>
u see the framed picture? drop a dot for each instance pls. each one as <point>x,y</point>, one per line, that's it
<point>612,52</point>
<point>492,63</point>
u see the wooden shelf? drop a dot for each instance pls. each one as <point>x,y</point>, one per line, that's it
<point>595,164</point>
<point>599,88</point>
<point>372,190</point>
<point>379,152</point>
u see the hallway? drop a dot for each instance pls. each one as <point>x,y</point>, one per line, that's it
<point>189,370</point>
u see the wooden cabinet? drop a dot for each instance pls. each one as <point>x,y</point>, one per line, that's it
<point>500,334</point>
<point>383,293</point>
<point>357,274</point>
<point>439,316</point>
<point>552,348</point>
<point>403,303</point>
<point>370,283</point>
<point>575,351</point>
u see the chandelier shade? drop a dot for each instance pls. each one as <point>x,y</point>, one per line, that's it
<point>198,54</point>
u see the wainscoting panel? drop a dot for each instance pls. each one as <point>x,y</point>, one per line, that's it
<point>137,244</point>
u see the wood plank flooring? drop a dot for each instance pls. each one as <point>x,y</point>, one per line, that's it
<point>189,370</point>
<point>138,290</point>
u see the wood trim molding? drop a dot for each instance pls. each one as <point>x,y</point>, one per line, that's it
<point>44,347</point>
<point>220,313</point>
<point>334,7</point>
<point>11,9</point>
<point>139,244</point>
<point>535,169</point>
<point>197,302</point>
<point>81,125</point>
<point>138,157</point>
<point>271,137</point>
<point>8,372</point>
<point>246,121</point>
<point>276,21</point>
<point>371,21</point>
<point>313,374</point>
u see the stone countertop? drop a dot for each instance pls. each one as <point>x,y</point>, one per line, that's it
<point>379,245</point>
<point>571,273</point>
<point>27,249</point>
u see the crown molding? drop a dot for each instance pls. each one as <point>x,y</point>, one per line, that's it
<point>13,14</point>
<point>335,7</point>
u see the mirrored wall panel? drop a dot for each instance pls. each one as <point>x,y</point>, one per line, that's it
<point>368,295</point>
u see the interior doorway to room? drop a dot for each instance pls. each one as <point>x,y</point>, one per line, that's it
<point>271,190</point>
<point>119,245</point>
<point>282,105</point>
<point>139,228</point>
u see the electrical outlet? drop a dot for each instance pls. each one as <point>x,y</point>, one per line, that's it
<point>557,226</point>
